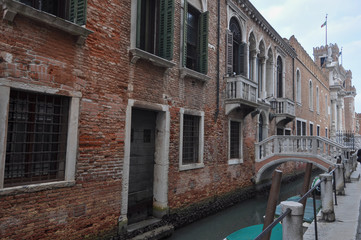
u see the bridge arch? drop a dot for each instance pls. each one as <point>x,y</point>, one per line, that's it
<point>266,170</point>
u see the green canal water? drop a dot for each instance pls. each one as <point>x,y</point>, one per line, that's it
<point>244,214</point>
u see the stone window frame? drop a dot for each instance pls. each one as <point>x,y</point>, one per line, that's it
<point>234,161</point>
<point>12,8</point>
<point>326,132</point>
<point>317,100</point>
<point>310,95</point>
<point>305,124</point>
<point>200,163</point>
<point>309,129</point>
<point>326,106</point>
<point>298,87</point>
<point>72,136</point>
<point>137,53</point>
<point>318,130</point>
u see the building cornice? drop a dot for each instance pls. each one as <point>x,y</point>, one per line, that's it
<point>257,17</point>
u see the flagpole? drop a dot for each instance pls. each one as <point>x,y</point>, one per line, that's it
<point>326,30</point>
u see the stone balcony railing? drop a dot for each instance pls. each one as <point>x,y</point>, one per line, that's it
<point>301,146</point>
<point>283,106</point>
<point>242,89</point>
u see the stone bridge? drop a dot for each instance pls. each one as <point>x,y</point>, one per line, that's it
<point>275,150</point>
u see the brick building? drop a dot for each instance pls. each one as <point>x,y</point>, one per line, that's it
<point>114,113</point>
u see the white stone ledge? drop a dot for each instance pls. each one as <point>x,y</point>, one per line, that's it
<point>35,187</point>
<point>12,8</point>
<point>191,166</point>
<point>154,59</point>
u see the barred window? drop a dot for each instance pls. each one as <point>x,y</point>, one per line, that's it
<point>36,138</point>
<point>190,139</point>
<point>235,139</point>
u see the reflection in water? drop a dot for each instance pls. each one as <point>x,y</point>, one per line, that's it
<point>244,214</point>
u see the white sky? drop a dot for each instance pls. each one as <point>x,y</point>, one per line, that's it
<point>303,18</point>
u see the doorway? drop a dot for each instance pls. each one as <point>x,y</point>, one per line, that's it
<point>141,167</point>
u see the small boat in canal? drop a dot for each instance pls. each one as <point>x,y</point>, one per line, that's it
<point>251,232</point>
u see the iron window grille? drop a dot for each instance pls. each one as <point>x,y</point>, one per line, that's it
<point>36,138</point>
<point>234,141</point>
<point>190,139</point>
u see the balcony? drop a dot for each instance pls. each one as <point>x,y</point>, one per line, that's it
<point>284,110</point>
<point>241,93</point>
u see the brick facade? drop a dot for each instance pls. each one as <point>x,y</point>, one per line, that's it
<point>110,82</point>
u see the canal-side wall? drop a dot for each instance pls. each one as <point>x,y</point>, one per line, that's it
<point>183,216</point>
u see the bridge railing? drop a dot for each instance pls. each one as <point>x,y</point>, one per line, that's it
<point>301,146</point>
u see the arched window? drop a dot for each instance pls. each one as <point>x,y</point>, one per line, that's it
<point>252,60</point>
<point>279,78</point>
<point>317,100</point>
<point>236,49</point>
<point>310,95</point>
<point>298,86</point>
<point>326,106</point>
<point>270,74</point>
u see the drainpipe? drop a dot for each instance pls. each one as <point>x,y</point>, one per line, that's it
<point>218,68</point>
<point>293,78</point>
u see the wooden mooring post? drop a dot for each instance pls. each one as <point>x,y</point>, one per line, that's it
<point>272,201</point>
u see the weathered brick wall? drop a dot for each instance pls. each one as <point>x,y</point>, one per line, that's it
<point>42,55</point>
<point>102,72</point>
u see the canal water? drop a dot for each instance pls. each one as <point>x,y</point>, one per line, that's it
<point>244,214</point>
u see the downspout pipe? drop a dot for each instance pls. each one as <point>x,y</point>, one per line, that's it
<point>218,67</point>
<point>293,78</point>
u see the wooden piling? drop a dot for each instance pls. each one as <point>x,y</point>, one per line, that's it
<point>272,201</point>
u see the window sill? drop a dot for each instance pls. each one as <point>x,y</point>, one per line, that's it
<point>12,8</point>
<point>191,166</point>
<point>235,161</point>
<point>185,72</point>
<point>154,59</point>
<point>35,187</point>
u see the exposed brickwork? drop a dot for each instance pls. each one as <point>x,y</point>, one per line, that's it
<point>102,71</point>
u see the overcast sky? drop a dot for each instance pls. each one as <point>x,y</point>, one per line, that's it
<point>303,18</point>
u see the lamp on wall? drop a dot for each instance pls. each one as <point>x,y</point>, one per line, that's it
<point>255,112</point>
<point>271,116</point>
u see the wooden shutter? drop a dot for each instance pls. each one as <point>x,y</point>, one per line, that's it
<point>166,29</point>
<point>77,11</point>
<point>185,26</point>
<point>243,58</point>
<point>139,14</point>
<point>229,52</point>
<point>203,43</point>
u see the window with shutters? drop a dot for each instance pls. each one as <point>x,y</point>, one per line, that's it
<point>195,39</point>
<point>71,10</point>
<point>236,50</point>
<point>41,138</point>
<point>155,27</point>
<point>68,16</point>
<point>191,139</point>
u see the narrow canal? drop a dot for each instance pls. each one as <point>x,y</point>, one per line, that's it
<point>244,214</point>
